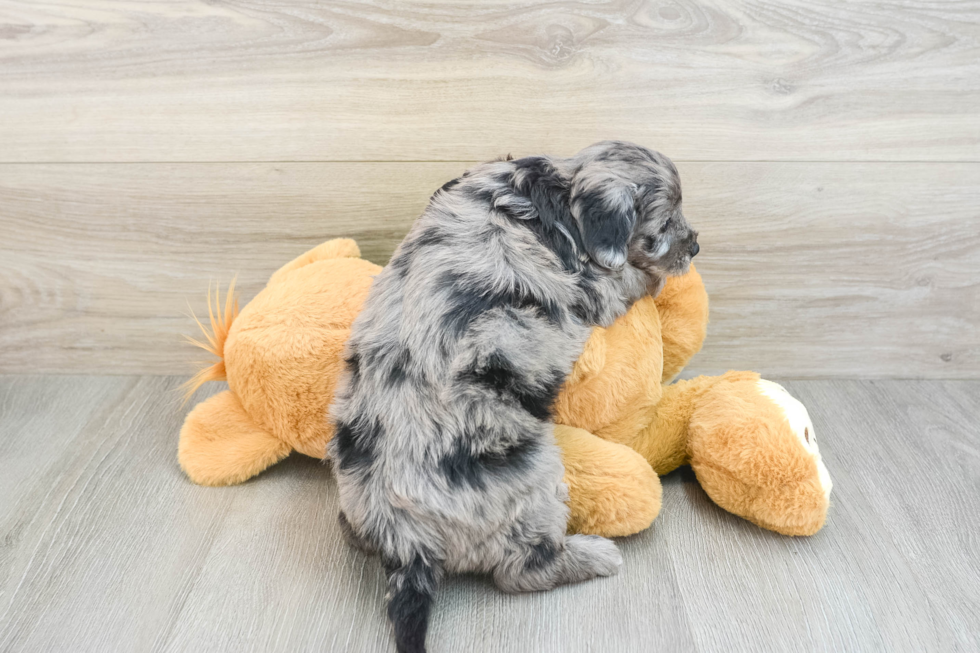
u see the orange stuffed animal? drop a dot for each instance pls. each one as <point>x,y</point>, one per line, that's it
<point>620,421</point>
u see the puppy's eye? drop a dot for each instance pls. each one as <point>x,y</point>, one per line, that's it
<point>648,243</point>
<point>667,225</point>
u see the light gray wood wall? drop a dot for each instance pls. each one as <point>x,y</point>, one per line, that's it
<point>830,154</point>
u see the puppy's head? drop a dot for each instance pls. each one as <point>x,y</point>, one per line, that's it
<point>627,202</point>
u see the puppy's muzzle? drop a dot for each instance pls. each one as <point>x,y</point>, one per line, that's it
<point>694,248</point>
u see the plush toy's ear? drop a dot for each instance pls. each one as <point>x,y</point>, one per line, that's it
<point>604,208</point>
<point>335,248</point>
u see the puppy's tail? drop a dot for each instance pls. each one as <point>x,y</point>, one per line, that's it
<point>411,586</point>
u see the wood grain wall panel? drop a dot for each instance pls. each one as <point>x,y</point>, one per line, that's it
<point>277,80</point>
<point>814,269</point>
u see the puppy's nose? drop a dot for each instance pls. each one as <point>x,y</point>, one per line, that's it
<point>695,248</point>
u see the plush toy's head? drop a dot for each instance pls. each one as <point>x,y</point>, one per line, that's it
<point>755,453</point>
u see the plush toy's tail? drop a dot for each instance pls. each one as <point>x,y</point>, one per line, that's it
<point>221,321</point>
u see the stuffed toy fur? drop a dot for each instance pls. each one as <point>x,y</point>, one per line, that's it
<point>620,422</point>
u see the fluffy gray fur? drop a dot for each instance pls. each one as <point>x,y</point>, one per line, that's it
<point>444,448</point>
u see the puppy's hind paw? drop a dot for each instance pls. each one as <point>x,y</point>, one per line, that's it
<point>600,555</point>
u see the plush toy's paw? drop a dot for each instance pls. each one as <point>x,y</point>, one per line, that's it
<point>754,451</point>
<point>221,445</point>
<point>683,307</point>
<point>613,491</point>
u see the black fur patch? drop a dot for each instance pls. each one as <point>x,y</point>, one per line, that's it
<point>400,261</point>
<point>588,309</point>
<point>429,237</point>
<point>356,444</point>
<point>489,191</point>
<point>463,466</point>
<point>539,401</point>
<point>604,227</point>
<point>499,375</point>
<point>411,588</point>
<point>467,301</point>
<point>354,367</point>
<point>409,248</point>
<point>399,367</point>
<point>538,180</point>
<point>460,466</point>
<point>555,241</point>
<point>541,554</point>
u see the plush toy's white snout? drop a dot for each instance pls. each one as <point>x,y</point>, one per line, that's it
<point>800,423</point>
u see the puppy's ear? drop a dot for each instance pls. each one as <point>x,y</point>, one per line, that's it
<point>605,211</point>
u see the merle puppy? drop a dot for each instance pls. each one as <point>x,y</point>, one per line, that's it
<point>444,451</point>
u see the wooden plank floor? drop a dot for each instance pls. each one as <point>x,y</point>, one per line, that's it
<point>105,546</point>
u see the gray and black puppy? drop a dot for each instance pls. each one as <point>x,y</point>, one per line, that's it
<point>444,447</point>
